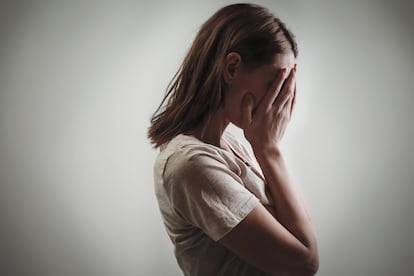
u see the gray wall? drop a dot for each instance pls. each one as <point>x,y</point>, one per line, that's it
<point>79,81</point>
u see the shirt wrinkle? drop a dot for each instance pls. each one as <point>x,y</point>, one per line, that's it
<point>203,192</point>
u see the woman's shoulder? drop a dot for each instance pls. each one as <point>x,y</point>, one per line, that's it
<point>187,146</point>
<point>186,152</point>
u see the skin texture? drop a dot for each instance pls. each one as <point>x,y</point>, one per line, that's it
<point>261,102</point>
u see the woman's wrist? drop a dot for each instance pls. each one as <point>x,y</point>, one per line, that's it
<point>264,153</point>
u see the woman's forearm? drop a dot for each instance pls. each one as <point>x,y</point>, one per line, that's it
<point>290,209</point>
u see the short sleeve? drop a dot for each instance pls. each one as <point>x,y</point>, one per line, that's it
<point>206,193</point>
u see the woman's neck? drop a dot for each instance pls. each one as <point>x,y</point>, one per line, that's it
<point>212,132</point>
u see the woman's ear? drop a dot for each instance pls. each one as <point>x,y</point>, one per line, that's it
<point>232,65</point>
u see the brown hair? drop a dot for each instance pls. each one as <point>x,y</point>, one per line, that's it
<point>197,89</point>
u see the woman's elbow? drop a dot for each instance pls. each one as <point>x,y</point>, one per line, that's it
<point>311,264</point>
<point>312,267</point>
<point>307,262</point>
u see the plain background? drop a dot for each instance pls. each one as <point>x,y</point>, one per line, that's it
<point>80,80</point>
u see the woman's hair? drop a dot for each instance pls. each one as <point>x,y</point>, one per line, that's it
<point>197,89</point>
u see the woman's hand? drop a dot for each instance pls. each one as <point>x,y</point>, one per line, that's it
<point>264,127</point>
<point>288,243</point>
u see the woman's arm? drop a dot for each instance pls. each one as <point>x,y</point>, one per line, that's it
<point>287,244</point>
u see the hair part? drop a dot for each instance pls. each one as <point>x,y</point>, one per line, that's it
<point>196,90</point>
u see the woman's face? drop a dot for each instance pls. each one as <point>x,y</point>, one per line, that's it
<point>257,82</point>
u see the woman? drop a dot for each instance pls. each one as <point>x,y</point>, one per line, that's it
<point>227,212</point>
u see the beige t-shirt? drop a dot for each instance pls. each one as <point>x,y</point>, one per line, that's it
<point>203,192</point>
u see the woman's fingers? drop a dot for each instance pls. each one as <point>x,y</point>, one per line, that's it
<point>281,96</point>
<point>273,92</point>
<point>267,122</point>
<point>293,101</point>
<point>287,91</point>
<point>286,108</point>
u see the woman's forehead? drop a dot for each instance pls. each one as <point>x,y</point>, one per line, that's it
<point>281,61</point>
<point>284,61</point>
